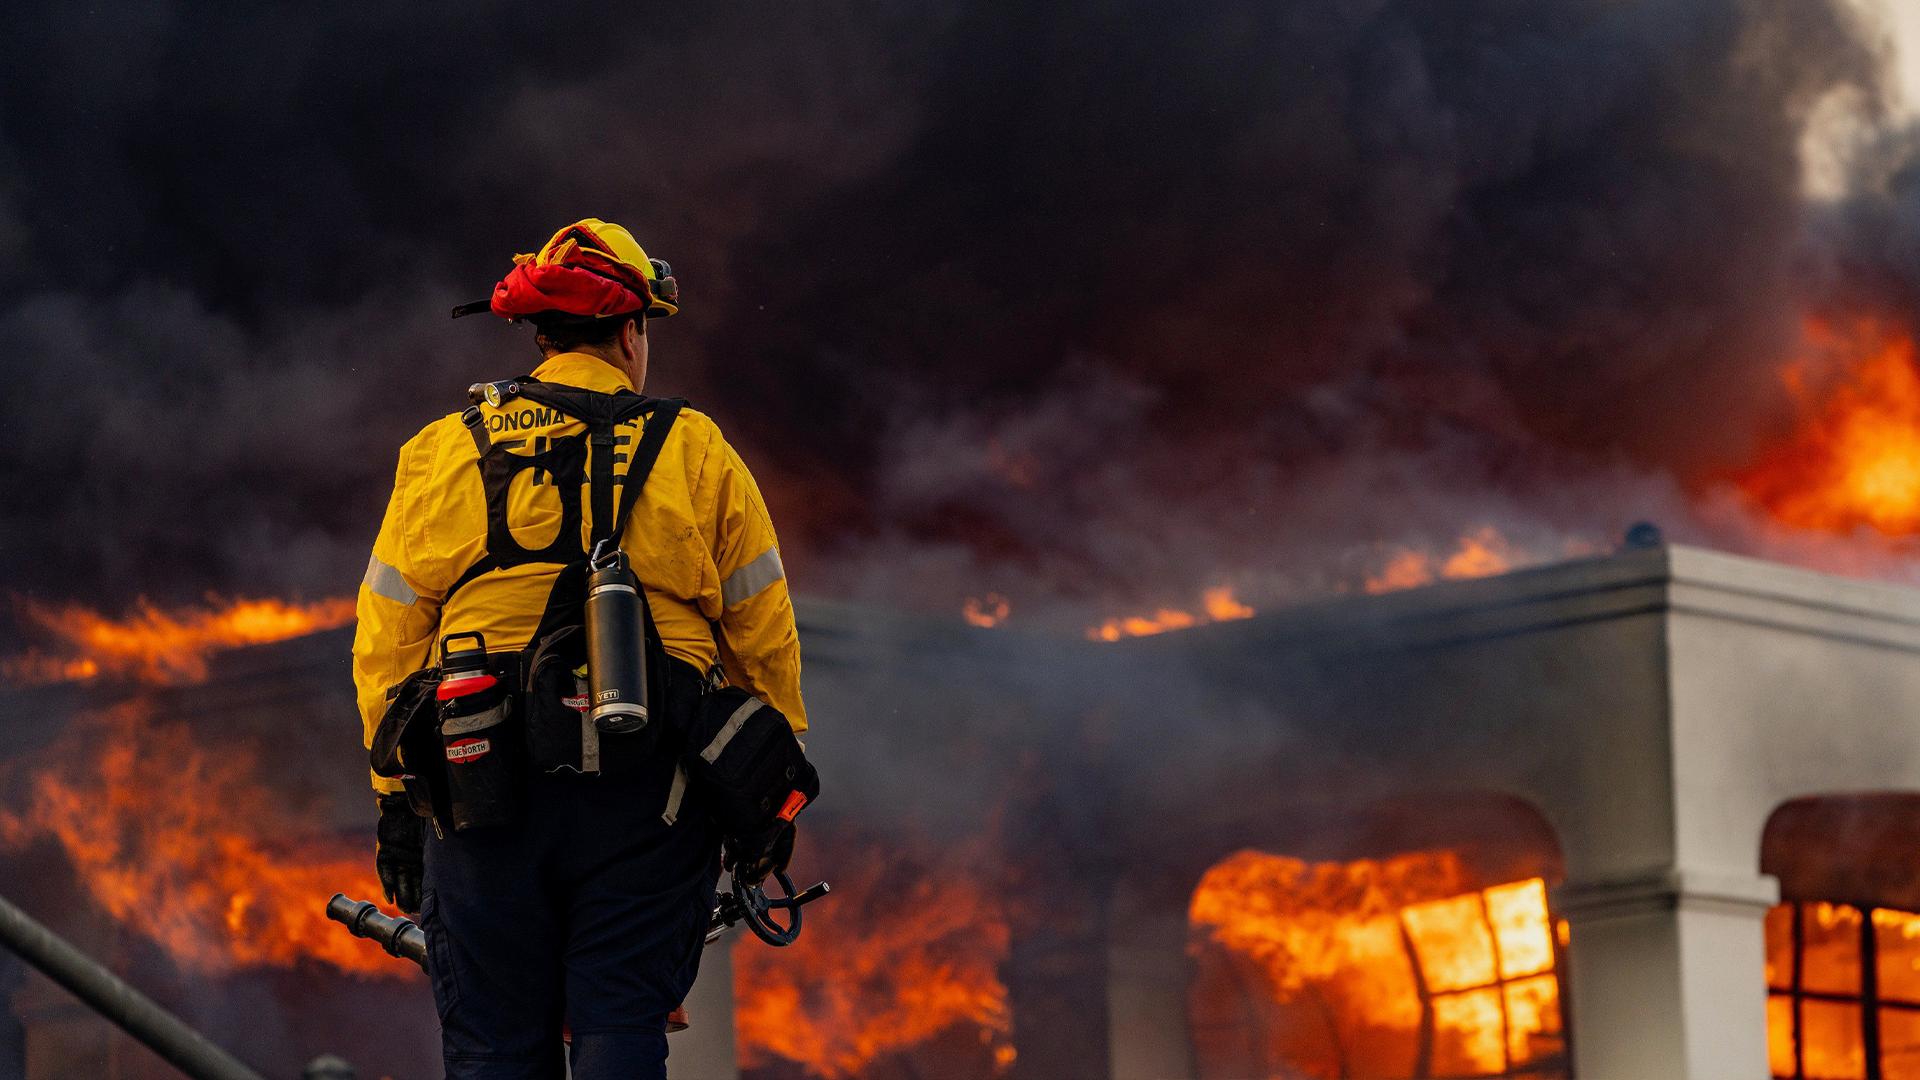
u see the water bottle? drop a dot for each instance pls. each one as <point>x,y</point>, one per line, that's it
<point>616,643</point>
<point>484,771</point>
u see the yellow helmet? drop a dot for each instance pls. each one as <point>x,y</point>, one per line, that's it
<point>591,268</point>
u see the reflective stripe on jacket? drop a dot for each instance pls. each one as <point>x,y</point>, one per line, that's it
<point>700,540</point>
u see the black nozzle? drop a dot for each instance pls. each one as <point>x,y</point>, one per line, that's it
<point>400,937</point>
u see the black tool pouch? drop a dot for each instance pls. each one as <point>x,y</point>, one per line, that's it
<point>743,758</point>
<point>405,746</point>
<point>484,754</point>
<point>559,734</point>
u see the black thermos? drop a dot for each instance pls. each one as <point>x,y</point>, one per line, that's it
<point>463,671</point>
<point>616,644</point>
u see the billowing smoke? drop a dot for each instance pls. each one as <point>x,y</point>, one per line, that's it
<point>1073,301</point>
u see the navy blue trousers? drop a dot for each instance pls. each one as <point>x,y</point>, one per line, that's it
<point>590,912</point>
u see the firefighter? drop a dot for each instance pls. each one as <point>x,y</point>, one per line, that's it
<point>580,898</point>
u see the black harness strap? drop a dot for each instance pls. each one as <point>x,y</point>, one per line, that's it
<point>665,412</point>
<point>569,461</point>
<point>582,404</point>
<point>600,479</point>
<point>487,563</point>
<point>601,413</point>
<point>476,427</point>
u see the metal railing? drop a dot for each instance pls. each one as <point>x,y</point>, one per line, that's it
<point>107,994</point>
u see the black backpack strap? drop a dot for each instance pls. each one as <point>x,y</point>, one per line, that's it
<point>601,441</point>
<point>590,406</point>
<point>601,412</point>
<point>645,453</point>
<point>486,563</point>
<point>477,427</point>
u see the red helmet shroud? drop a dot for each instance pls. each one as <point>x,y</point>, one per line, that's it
<point>532,288</point>
<point>591,269</point>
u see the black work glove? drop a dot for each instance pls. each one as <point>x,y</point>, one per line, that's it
<point>751,858</point>
<point>399,854</point>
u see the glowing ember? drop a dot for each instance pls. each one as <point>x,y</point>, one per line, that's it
<point>1389,968</point>
<point>990,610</point>
<point>162,646</point>
<point>1216,605</point>
<point>889,964</point>
<point>1481,553</point>
<point>1854,459</point>
<point>183,846</point>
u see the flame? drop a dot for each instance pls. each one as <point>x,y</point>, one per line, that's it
<point>990,610</point>
<point>1221,606</point>
<point>1829,970</point>
<point>1217,604</point>
<point>899,955</point>
<point>1481,553</point>
<point>162,646</point>
<point>1406,970</point>
<point>35,668</point>
<point>187,848</point>
<point>1853,461</point>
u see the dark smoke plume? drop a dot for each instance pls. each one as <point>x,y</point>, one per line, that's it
<point>1076,300</point>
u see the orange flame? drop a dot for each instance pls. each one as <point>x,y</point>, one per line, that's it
<point>35,668</point>
<point>1220,606</point>
<point>1217,604</point>
<point>1830,970</point>
<point>185,847</point>
<point>163,646</point>
<point>889,963</point>
<point>1854,459</point>
<point>1481,553</point>
<point>990,610</point>
<point>1404,970</point>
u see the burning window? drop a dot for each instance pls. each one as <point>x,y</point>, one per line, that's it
<point>1843,992</point>
<point>1385,969</point>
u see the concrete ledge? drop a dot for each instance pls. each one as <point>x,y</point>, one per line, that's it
<point>1672,578</point>
<point>1670,890</point>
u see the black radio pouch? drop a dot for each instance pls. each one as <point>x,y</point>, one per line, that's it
<point>743,757</point>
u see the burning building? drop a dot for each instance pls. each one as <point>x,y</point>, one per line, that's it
<point>1504,827</point>
<point>1648,814</point>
